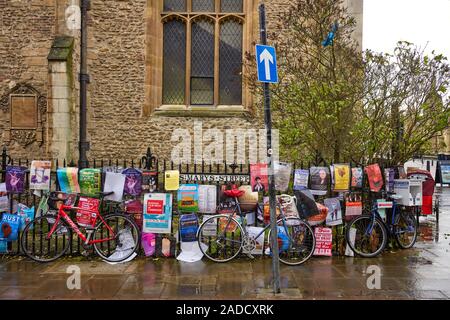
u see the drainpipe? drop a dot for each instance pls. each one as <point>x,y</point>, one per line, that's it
<point>84,80</point>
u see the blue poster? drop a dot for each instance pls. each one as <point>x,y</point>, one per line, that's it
<point>9,229</point>
<point>157,213</point>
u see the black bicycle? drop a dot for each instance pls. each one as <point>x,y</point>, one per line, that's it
<point>367,235</point>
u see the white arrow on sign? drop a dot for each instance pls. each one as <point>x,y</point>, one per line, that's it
<point>267,58</point>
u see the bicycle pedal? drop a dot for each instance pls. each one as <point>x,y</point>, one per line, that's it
<point>250,256</point>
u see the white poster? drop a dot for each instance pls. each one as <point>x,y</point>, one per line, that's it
<point>40,175</point>
<point>207,198</point>
<point>114,182</point>
<point>4,204</point>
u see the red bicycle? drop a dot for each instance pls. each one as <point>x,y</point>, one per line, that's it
<point>115,237</point>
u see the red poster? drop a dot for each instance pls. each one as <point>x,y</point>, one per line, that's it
<point>259,178</point>
<point>375,177</point>
<point>88,217</point>
<point>324,241</point>
<point>155,206</point>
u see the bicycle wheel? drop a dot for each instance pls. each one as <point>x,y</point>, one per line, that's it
<point>34,242</point>
<point>370,237</point>
<point>405,230</point>
<point>123,244</point>
<point>220,238</point>
<point>297,243</point>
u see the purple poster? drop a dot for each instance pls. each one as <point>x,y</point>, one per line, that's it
<point>15,179</point>
<point>133,181</point>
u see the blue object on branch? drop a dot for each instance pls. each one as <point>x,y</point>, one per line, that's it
<point>329,40</point>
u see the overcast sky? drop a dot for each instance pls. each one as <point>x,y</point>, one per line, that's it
<point>417,21</point>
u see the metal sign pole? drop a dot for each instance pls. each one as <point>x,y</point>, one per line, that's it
<point>272,196</point>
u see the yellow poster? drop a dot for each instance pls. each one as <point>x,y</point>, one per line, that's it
<point>341,177</point>
<point>172,180</point>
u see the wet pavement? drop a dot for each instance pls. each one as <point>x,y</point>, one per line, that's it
<point>419,273</point>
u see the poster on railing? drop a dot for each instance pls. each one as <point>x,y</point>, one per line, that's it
<point>341,177</point>
<point>157,213</point>
<point>207,198</point>
<point>133,181</point>
<point>68,180</point>
<point>149,181</point>
<point>374,176</point>
<point>259,177</point>
<point>259,241</point>
<point>114,182</point>
<point>324,241</point>
<point>301,177</point>
<point>188,198</point>
<point>188,226</point>
<point>320,179</point>
<point>4,203</point>
<point>9,227</point>
<point>389,175</point>
<point>40,175</point>
<point>282,173</point>
<point>15,179</point>
<point>172,180</point>
<point>90,181</point>
<point>334,216</point>
<point>357,177</point>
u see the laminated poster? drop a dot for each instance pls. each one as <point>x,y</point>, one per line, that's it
<point>324,241</point>
<point>40,175</point>
<point>188,227</point>
<point>375,177</point>
<point>357,177</point>
<point>207,198</point>
<point>210,228</point>
<point>15,179</point>
<point>282,172</point>
<point>334,216</point>
<point>389,175</point>
<point>259,177</point>
<point>253,232</point>
<point>68,180</point>
<point>133,181</point>
<point>10,224</point>
<point>341,177</point>
<point>301,177</point>
<point>149,181</point>
<point>90,182</point>
<point>188,198</point>
<point>157,212</point>
<point>172,180</point>
<point>114,182</point>
<point>320,179</point>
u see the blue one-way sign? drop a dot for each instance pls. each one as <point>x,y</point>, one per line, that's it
<point>266,61</point>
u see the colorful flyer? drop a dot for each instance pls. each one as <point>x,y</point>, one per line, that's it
<point>259,177</point>
<point>40,175</point>
<point>90,182</point>
<point>357,177</point>
<point>188,227</point>
<point>133,181</point>
<point>10,224</point>
<point>188,198</point>
<point>172,180</point>
<point>389,175</point>
<point>259,242</point>
<point>149,181</point>
<point>86,216</point>
<point>207,198</point>
<point>341,177</point>
<point>157,213</point>
<point>15,179</point>
<point>334,216</point>
<point>68,180</point>
<point>301,177</point>
<point>320,179</point>
<point>324,241</point>
<point>375,177</point>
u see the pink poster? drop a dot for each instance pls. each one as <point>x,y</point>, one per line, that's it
<point>324,241</point>
<point>259,177</point>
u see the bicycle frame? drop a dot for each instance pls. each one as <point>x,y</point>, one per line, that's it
<point>62,214</point>
<point>374,214</point>
<point>244,225</point>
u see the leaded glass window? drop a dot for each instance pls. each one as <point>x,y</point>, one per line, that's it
<point>230,91</point>
<point>231,5</point>
<point>174,66</point>
<point>203,5</point>
<point>175,5</point>
<point>203,52</point>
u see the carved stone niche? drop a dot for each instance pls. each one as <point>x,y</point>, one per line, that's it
<point>26,108</point>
